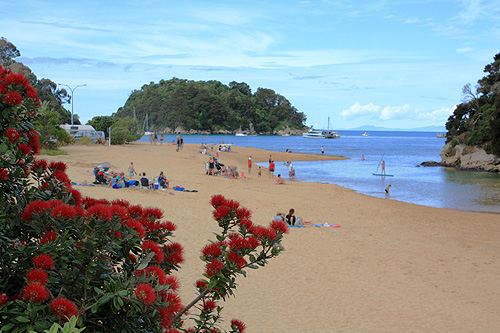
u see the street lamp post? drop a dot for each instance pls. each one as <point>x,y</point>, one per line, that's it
<point>72,101</point>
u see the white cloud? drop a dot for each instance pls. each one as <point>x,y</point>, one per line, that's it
<point>465,49</point>
<point>357,110</point>
<point>395,112</point>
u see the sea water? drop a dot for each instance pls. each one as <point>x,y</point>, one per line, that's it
<point>402,152</point>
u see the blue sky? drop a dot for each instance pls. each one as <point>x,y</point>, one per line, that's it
<point>395,64</point>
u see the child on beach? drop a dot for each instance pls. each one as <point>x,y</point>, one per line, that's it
<point>279,180</point>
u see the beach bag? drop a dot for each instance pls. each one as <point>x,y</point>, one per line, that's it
<point>116,185</point>
<point>178,188</point>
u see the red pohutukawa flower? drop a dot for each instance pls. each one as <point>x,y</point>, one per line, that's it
<point>12,135</point>
<point>173,282</point>
<point>200,285</point>
<point>24,148</point>
<point>168,226</point>
<point>280,226</point>
<point>63,307</point>
<point>213,267</point>
<point>157,272</point>
<point>62,177</point>
<point>4,175</point>
<point>77,196</point>
<point>152,212</point>
<point>233,205</point>
<point>37,275</point>
<point>43,261</point>
<point>3,299</point>
<point>40,165</point>
<point>221,212</point>
<point>145,293</point>
<point>237,260</point>
<point>209,305</point>
<point>263,233</point>
<point>135,211</point>
<point>237,325</point>
<point>253,242</point>
<point>63,211</point>
<point>217,200</point>
<point>211,251</point>
<point>153,247</point>
<point>243,213</point>
<point>120,211</point>
<point>61,166</point>
<point>120,202</point>
<point>137,226</point>
<point>48,237</point>
<point>35,292</point>
<point>13,98</point>
<point>99,210</point>
<point>35,207</point>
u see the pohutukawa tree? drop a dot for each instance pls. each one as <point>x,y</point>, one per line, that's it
<point>109,264</point>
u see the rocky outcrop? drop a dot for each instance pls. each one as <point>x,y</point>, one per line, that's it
<point>469,158</point>
<point>181,131</point>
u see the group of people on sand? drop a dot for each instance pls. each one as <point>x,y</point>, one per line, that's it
<point>154,137</point>
<point>289,218</point>
<point>118,180</point>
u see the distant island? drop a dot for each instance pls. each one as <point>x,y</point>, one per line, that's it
<point>210,107</point>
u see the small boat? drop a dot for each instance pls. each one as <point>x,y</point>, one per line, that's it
<point>241,133</point>
<point>332,135</point>
<point>441,135</point>
<point>314,134</point>
<point>365,134</point>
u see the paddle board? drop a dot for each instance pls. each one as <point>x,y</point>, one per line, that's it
<point>380,174</point>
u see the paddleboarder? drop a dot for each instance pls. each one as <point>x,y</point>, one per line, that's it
<point>383,167</point>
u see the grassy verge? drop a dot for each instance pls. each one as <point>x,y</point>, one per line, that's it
<point>52,152</point>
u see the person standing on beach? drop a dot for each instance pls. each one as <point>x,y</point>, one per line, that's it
<point>155,138</point>
<point>178,143</point>
<point>322,150</point>
<point>161,139</point>
<point>271,168</point>
<point>131,170</point>
<point>249,164</point>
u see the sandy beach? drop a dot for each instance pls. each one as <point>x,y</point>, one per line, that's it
<point>390,267</point>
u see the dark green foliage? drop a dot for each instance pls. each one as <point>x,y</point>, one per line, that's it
<point>210,105</point>
<point>476,122</point>
<point>102,123</point>
<point>123,131</point>
<point>51,135</point>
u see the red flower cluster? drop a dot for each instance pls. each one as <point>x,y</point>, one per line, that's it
<point>12,135</point>
<point>174,253</point>
<point>238,325</point>
<point>3,299</point>
<point>213,267</point>
<point>38,275</point>
<point>145,293</point>
<point>137,226</point>
<point>4,175</point>
<point>150,246</point>
<point>35,292</point>
<point>58,166</point>
<point>237,260</point>
<point>209,305</point>
<point>43,261</point>
<point>63,307</point>
<point>48,237</point>
<point>211,250</point>
<point>221,212</point>
<point>151,212</point>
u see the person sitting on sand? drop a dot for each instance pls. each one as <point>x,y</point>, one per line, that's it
<point>290,217</point>
<point>163,181</point>
<point>279,180</point>
<point>144,180</point>
<point>279,217</point>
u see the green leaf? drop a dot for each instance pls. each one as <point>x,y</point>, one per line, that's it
<point>145,261</point>
<point>23,319</point>
<point>99,291</point>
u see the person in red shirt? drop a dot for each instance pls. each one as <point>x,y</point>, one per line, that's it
<point>271,168</point>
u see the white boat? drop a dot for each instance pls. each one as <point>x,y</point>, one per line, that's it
<point>365,134</point>
<point>241,133</point>
<point>314,134</point>
<point>331,134</point>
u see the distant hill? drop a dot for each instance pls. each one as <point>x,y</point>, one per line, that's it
<point>417,129</point>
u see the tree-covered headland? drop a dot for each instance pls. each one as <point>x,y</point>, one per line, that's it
<point>210,106</point>
<point>476,121</point>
